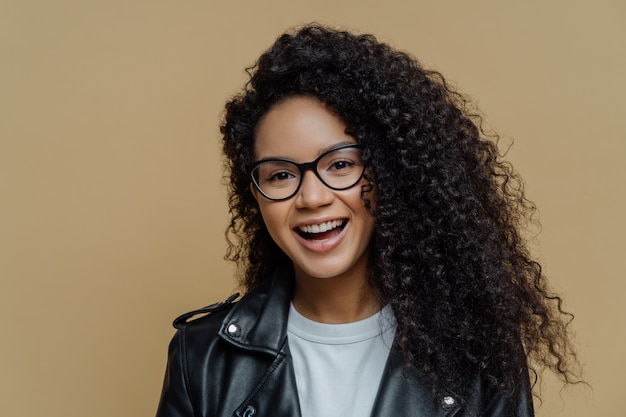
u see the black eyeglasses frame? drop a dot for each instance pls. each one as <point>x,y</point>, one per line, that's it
<point>303,167</point>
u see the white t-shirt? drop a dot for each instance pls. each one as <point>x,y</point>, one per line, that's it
<point>338,367</point>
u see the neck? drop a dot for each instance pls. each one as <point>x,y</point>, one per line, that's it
<point>341,299</point>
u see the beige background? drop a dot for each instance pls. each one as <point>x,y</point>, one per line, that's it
<point>112,212</point>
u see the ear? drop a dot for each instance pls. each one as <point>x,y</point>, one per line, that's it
<point>255,192</point>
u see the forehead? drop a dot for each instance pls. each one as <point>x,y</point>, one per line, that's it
<point>299,128</point>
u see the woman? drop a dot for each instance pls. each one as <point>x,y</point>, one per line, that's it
<point>378,233</point>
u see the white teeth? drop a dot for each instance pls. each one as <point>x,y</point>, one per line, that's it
<point>322,227</point>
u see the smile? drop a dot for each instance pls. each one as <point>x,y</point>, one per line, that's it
<point>321,231</point>
<point>322,227</point>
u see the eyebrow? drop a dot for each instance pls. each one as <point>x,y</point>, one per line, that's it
<point>320,152</point>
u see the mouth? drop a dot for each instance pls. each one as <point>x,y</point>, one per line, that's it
<point>321,231</point>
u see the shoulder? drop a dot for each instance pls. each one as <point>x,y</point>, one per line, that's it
<point>205,315</point>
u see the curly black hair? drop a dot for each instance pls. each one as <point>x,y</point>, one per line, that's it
<point>448,252</point>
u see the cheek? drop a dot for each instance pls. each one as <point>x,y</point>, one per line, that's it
<point>274,217</point>
<point>369,222</point>
<point>363,213</point>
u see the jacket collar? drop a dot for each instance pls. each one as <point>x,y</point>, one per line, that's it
<point>258,322</point>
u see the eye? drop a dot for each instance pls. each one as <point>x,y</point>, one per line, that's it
<point>341,161</point>
<point>280,176</point>
<point>276,173</point>
<point>339,165</point>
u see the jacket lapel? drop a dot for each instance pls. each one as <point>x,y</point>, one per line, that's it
<point>276,394</point>
<point>258,324</point>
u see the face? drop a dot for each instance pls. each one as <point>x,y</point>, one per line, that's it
<point>301,129</point>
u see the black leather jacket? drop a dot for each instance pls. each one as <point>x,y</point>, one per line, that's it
<point>235,362</point>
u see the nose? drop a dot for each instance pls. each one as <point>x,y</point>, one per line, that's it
<point>313,193</point>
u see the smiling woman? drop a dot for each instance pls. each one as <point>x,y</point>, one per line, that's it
<point>378,234</point>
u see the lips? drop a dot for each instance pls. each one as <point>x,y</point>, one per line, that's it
<point>321,231</point>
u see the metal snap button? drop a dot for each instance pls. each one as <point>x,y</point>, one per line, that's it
<point>234,330</point>
<point>448,402</point>
<point>249,411</point>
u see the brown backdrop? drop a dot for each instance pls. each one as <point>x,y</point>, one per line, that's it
<point>112,212</point>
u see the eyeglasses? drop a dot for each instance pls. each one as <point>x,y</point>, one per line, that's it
<point>280,179</point>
